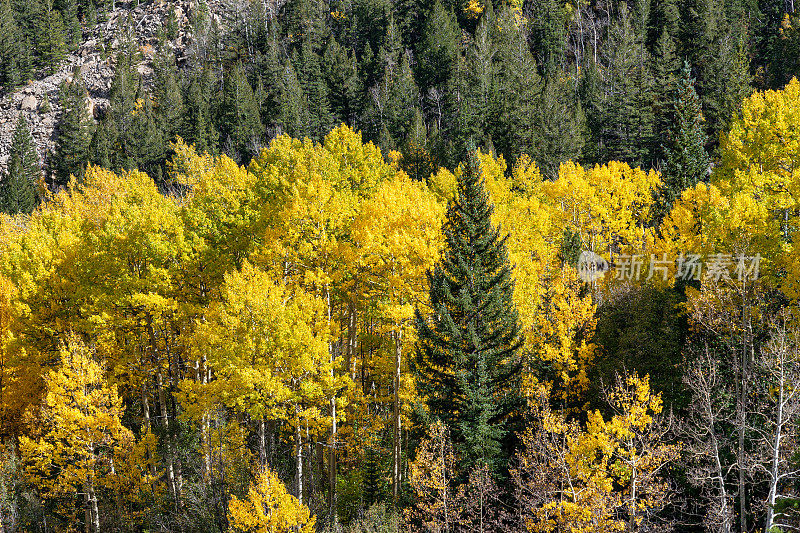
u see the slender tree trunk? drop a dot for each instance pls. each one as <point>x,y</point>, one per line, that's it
<point>741,412</point>
<point>162,403</point>
<point>205,425</point>
<point>95,510</point>
<point>87,510</point>
<point>332,460</point>
<point>632,504</point>
<point>776,453</point>
<point>723,492</point>
<point>91,512</point>
<point>396,450</point>
<point>352,338</point>
<point>262,443</point>
<point>298,441</point>
<point>146,426</point>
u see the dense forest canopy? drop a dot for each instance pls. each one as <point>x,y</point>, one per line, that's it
<point>589,81</point>
<point>377,266</point>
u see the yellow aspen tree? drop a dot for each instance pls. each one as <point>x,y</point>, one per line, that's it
<point>608,206</point>
<point>269,508</point>
<point>431,478</point>
<point>397,233</point>
<point>311,193</point>
<point>79,434</point>
<point>267,349</point>
<point>605,476</point>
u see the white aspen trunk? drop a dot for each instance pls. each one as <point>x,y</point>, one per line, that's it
<point>776,453</point>
<point>162,402</point>
<point>396,451</point>
<point>262,443</point>
<point>632,504</point>
<point>95,510</point>
<point>298,440</point>
<point>332,460</point>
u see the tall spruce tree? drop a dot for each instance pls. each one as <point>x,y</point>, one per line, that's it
<point>51,46</point>
<point>240,119</point>
<point>686,157</point>
<point>17,188</point>
<point>72,144</point>
<point>10,48</point>
<point>467,360</point>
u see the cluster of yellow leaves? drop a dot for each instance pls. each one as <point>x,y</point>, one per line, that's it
<point>608,206</point>
<point>268,347</point>
<point>79,429</point>
<point>269,508</point>
<point>596,478</point>
<point>750,204</point>
<point>431,480</point>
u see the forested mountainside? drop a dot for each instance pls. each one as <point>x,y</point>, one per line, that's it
<point>586,81</point>
<point>380,266</point>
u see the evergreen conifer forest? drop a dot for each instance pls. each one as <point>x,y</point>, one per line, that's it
<point>382,266</point>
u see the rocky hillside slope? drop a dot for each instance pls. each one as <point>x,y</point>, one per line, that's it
<point>95,60</point>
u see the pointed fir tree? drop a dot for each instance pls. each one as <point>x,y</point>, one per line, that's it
<point>344,83</point>
<point>50,36</point>
<point>687,161</point>
<point>293,113</point>
<point>72,143</point>
<point>124,87</point>
<point>316,90</point>
<point>372,477</point>
<point>200,130</point>
<point>18,186</point>
<point>240,119</point>
<point>168,98</point>
<point>148,151</point>
<point>438,49</point>
<point>467,361</point>
<point>100,146</point>
<point>10,48</point>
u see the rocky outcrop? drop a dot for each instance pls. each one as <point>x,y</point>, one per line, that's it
<point>94,59</point>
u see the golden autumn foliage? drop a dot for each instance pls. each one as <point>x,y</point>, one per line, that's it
<point>597,476</point>
<point>269,508</point>
<point>79,432</point>
<point>264,315</point>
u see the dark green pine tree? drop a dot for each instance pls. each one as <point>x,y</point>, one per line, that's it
<point>10,48</point>
<point>18,185</point>
<point>100,146</point>
<point>240,119</point>
<point>72,143</point>
<point>50,36</point>
<point>467,359</point>
<point>519,86</point>
<point>372,477</point>
<point>309,73</point>
<point>69,15</point>
<point>475,83</point>
<point>200,130</point>
<point>548,31</point>
<point>124,88</point>
<point>686,159</point>
<point>438,50</point>
<point>623,117</point>
<point>344,84</point>
<point>169,107</point>
<point>148,150</point>
<point>293,113</point>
